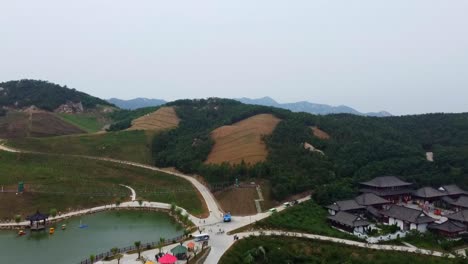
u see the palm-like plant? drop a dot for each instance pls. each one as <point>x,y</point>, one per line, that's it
<point>92,258</point>
<point>138,248</point>
<point>161,243</point>
<point>117,255</point>
<point>173,208</point>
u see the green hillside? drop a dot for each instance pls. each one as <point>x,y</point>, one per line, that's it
<point>125,145</point>
<point>359,148</point>
<point>43,94</point>
<point>75,183</point>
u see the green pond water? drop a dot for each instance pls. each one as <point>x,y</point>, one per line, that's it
<point>105,230</point>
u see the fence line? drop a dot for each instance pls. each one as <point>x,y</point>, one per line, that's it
<point>123,250</point>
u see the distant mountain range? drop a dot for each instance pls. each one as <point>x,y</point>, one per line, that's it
<point>318,109</point>
<point>136,103</point>
<point>303,106</point>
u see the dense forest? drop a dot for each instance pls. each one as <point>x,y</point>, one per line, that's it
<point>43,94</point>
<point>359,148</point>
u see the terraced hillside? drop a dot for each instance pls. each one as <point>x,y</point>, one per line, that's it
<point>242,141</point>
<point>17,124</point>
<point>163,119</point>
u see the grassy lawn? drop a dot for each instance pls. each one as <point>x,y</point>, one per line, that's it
<point>65,183</point>
<point>125,145</point>
<point>432,241</point>
<point>87,122</point>
<point>301,250</point>
<point>307,217</point>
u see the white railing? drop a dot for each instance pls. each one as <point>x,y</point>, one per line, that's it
<point>377,239</point>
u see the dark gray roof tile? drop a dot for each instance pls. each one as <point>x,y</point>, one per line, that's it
<point>448,226</point>
<point>346,205</point>
<point>452,190</point>
<point>407,214</point>
<point>348,219</point>
<point>367,199</point>
<point>428,192</point>
<point>385,182</point>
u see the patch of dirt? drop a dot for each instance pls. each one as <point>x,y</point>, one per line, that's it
<point>163,119</point>
<point>242,141</point>
<point>238,201</point>
<point>320,133</point>
<point>34,124</point>
<point>311,148</point>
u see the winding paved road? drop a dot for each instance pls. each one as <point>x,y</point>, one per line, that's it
<point>220,242</point>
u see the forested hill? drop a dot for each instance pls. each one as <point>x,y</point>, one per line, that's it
<point>43,94</point>
<point>358,149</point>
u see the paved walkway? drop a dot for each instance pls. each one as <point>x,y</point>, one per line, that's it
<point>346,242</point>
<point>133,196</point>
<point>220,242</point>
<point>215,213</point>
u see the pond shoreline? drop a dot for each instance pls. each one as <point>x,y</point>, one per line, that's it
<point>152,207</point>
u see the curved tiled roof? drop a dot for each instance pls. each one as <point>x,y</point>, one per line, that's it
<point>385,182</point>
<point>345,205</point>
<point>452,190</point>
<point>428,192</point>
<point>449,226</point>
<point>348,219</point>
<point>370,199</point>
<point>407,214</point>
<point>461,216</point>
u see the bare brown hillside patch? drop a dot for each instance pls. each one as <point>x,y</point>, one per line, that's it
<point>320,133</point>
<point>238,201</point>
<point>163,119</point>
<point>242,140</point>
<point>35,124</point>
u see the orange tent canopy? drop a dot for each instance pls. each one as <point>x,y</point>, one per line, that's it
<point>191,245</point>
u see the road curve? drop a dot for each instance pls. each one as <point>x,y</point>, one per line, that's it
<point>215,213</point>
<point>220,243</point>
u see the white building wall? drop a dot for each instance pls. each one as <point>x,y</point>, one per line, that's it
<point>393,221</point>
<point>422,228</point>
<point>359,229</point>
<point>413,226</point>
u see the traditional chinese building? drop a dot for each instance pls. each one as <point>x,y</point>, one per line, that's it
<point>388,187</point>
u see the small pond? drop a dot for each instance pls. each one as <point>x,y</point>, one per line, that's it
<point>104,231</point>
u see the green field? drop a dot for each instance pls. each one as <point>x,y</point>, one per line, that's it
<point>306,217</point>
<point>88,122</point>
<point>300,250</point>
<point>125,145</point>
<point>54,181</point>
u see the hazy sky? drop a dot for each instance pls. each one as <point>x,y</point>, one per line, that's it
<point>396,55</point>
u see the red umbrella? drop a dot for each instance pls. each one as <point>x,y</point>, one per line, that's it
<point>167,259</point>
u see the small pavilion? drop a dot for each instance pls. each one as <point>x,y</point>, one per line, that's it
<point>38,221</point>
<point>180,252</point>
